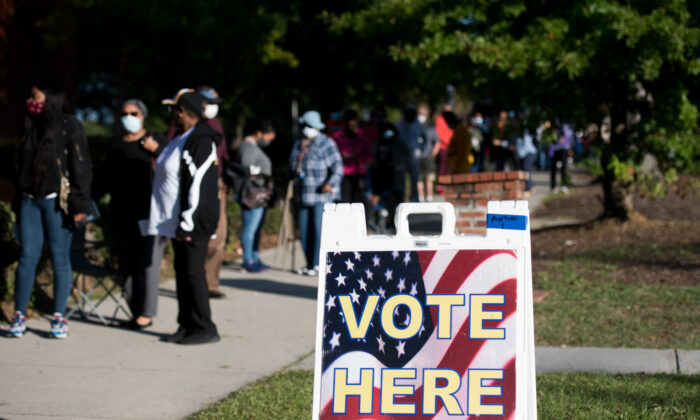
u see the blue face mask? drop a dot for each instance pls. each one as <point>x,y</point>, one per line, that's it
<point>131,123</point>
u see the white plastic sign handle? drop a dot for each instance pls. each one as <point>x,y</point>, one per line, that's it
<point>405,209</point>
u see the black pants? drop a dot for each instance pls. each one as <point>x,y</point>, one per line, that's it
<point>134,252</point>
<point>559,156</point>
<point>194,313</point>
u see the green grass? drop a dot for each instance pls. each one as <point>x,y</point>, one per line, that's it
<point>288,395</point>
<point>587,307</point>
<point>603,396</point>
<point>283,396</point>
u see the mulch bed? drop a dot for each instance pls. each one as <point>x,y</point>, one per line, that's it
<point>660,244</point>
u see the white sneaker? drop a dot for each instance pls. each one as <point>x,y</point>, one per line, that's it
<point>59,326</point>
<point>312,272</point>
<point>18,325</point>
<point>564,189</point>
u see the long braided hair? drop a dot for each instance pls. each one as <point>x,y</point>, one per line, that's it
<point>39,131</point>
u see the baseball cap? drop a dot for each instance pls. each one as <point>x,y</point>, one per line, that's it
<point>191,101</point>
<point>174,99</point>
<point>312,119</point>
<point>209,94</point>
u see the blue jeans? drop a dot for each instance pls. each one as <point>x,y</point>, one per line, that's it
<point>310,232</point>
<point>41,218</point>
<point>526,163</point>
<point>250,233</point>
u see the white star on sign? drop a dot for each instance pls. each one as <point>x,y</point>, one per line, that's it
<point>422,328</point>
<point>331,302</point>
<point>414,289</point>
<point>375,260</point>
<point>363,285</point>
<point>340,279</point>
<point>350,264</point>
<point>399,348</point>
<point>381,292</point>
<point>388,274</point>
<point>335,341</point>
<point>407,320</point>
<point>329,268</point>
<point>357,256</point>
<point>369,274</point>
<point>395,254</point>
<point>402,285</point>
<point>407,258</point>
<point>355,297</point>
<point>381,343</point>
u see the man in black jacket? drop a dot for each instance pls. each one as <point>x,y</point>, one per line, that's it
<point>197,221</point>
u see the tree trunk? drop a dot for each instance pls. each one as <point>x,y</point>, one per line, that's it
<point>617,194</point>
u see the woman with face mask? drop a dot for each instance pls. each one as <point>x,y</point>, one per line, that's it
<point>258,134</point>
<point>130,177</point>
<point>317,169</point>
<point>52,146</point>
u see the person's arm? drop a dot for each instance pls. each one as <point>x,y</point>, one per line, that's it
<point>197,159</point>
<point>334,162</point>
<point>79,169</point>
<point>294,162</point>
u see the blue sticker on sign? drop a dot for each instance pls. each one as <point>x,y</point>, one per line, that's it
<point>506,221</point>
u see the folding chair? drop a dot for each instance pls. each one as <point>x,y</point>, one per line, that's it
<point>84,255</point>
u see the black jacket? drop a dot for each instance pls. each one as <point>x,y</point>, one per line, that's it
<point>70,147</point>
<point>199,184</point>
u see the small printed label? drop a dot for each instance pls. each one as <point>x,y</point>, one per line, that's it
<point>506,221</point>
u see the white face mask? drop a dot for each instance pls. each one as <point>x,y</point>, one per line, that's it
<point>131,123</point>
<point>422,118</point>
<point>310,132</point>
<point>210,111</point>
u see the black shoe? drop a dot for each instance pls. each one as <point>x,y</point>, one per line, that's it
<point>215,294</point>
<point>133,325</point>
<point>175,337</point>
<point>200,337</point>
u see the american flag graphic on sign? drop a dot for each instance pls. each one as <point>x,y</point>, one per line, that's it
<point>355,280</point>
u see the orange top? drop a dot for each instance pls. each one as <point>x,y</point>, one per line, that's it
<point>444,132</point>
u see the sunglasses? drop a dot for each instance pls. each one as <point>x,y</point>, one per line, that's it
<point>133,114</point>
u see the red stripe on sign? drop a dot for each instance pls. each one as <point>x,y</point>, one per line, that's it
<point>425,257</point>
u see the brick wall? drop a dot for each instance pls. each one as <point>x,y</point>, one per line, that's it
<point>469,194</point>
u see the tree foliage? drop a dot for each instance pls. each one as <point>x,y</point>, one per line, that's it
<point>636,61</point>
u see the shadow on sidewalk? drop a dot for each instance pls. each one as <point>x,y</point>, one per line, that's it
<point>271,286</point>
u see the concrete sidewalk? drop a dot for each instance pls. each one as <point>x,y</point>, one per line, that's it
<point>98,372</point>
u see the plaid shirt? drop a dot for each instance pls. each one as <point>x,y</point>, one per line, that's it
<point>321,164</point>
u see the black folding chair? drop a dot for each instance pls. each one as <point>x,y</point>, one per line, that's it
<point>93,272</point>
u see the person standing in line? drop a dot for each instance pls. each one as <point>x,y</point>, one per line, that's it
<point>317,170</point>
<point>129,182</point>
<point>559,156</point>
<point>53,144</point>
<point>430,147</point>
<point>526,153</point>
<point>356,150</point>
<point>258,134</point>
<point>459,152</point>
<point>217,244</point>
<point>185,207</point>
<point>444,124</point>
<point>409,131</point>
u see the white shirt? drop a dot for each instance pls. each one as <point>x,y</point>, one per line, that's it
<point>165,196</point>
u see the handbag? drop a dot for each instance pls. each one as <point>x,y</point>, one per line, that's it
<point>64,190</point>
<point>257,191</point>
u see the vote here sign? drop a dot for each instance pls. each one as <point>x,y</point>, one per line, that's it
<point>419,333</point>
<point>425,327</point>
